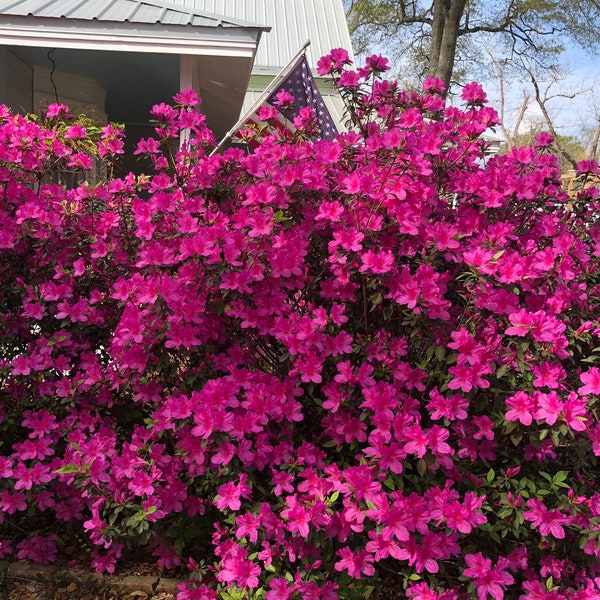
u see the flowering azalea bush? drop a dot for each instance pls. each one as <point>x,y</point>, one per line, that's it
<point>302,370</point>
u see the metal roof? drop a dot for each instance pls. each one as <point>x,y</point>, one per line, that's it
<point>121,11</point>
<point>323,22</point>
<point>128,25</point>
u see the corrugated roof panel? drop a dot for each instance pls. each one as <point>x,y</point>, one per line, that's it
<point>175,17</point>
<point>323,22</point>
<point>141,13</point>
<point>133,11</point>
<point>63,7</point>
<point>107,10</point>
<point>24,7</point>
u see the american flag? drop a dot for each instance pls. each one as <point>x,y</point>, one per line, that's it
<point>301,85</point>
<point>296,79</point>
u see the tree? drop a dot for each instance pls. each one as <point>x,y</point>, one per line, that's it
<point>436,33</point>
<point>544,95</point>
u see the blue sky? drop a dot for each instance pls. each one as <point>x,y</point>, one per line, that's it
<point>572,116</point>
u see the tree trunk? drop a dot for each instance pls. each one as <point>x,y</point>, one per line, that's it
<point>594,143</point>
<point>444,37</point>
<point>541,102</point>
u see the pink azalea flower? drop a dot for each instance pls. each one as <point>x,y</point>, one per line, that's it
<point>12,503</point>
<point>57,111</point>
<point>473,93</point>
<point>549,407</point>
<point>448,408</point>
<point>142,484</point>
<point>237,569</point>
<point>549,522</point>
<point>591,381</point>
<point>548,375</point>
<point>488,581</point>
<point>575,413</point>
<point>188,97</point>
<point>39,549</point>
<point>356,564</point>
<point>278,589</point>
<point>296,516</point>
<point>191,591</point>
<point>5,549</point>
<point>594,435</point>
<point>433,85</point>
<point>521,407</point>
<point>230,494</point>
<point>377,63</point>
<point>478,565</point>
<point>76,132</point>
<point>376,262</point>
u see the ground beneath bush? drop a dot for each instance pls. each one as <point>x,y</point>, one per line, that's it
<point>24,581</point>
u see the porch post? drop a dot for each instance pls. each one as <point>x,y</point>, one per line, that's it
<point>186,63</point>
<point>186,77</point>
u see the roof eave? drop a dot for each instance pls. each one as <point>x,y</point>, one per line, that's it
<point>139,37</point>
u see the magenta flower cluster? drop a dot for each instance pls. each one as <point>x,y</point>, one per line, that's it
<point>298,370</point>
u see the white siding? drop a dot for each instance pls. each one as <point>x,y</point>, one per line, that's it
<point>323,22</point>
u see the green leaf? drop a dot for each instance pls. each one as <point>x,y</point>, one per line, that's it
<point>330,444</point>
<point>376,300</point>
<point>560,476</point>
<point>491,474</point>
<point>501,371</point>
<point>494,536</point>
<point>390,483</point>
<point>68,469</point>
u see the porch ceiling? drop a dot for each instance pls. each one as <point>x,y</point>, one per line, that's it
<point>134,82</point>
<point>133,49</point>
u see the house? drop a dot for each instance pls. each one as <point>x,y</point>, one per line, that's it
<point>114,59</point>
<point>291,22</point>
